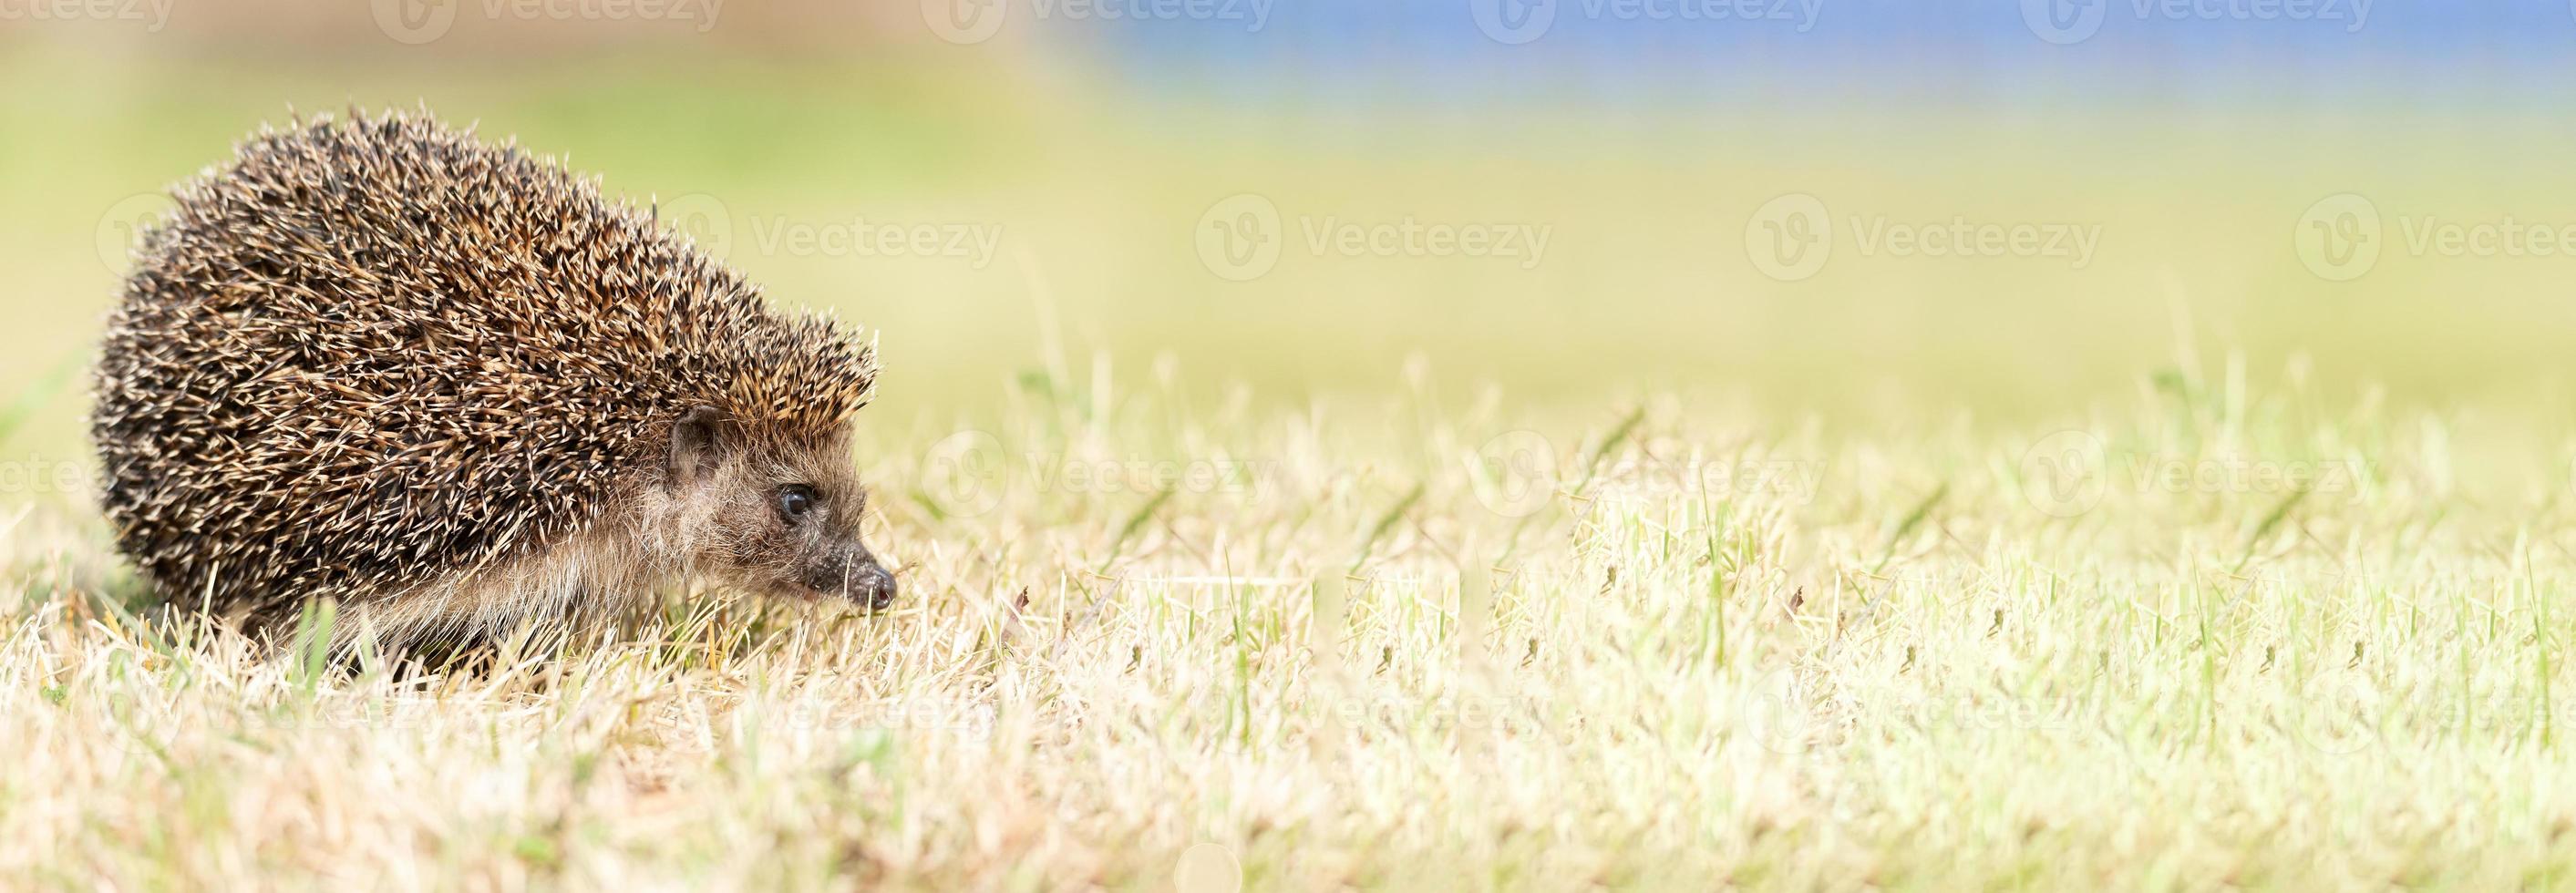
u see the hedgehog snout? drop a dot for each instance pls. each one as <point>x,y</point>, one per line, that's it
<point>873,587</point>
<point>856,576</point>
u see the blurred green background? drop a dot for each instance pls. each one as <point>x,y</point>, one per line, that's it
<point>1074,164</point>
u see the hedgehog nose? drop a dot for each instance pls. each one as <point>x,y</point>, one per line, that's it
<point>873,587</point>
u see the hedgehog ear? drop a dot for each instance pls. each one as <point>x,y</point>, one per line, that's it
<point>695,439</point>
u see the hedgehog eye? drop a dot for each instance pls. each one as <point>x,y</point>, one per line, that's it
<point>795,501</point>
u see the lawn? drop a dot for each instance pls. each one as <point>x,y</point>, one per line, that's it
<point>2205,636</point>
<point>1638,564</point>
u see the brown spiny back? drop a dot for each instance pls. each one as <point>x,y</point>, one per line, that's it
<point>372,353</point>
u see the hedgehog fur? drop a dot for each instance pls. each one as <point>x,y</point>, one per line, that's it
<point>375,361</point>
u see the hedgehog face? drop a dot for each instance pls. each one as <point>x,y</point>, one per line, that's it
<point>780,518</point>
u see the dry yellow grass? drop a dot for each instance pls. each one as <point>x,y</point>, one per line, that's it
<point>1909,603</point>
<point>2199,639</point>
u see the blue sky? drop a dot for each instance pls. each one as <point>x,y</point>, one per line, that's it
<point>2258,52</point>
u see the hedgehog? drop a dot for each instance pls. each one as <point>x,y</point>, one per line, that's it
<point>448,388</point>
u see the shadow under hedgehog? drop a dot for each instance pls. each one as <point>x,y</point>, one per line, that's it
<point>451,388</point>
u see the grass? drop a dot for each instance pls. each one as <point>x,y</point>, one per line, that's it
<point>1652,572</point>
<point>1357,650</point>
